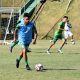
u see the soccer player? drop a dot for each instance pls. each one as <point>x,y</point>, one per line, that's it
<point>59,35</point>
<point>68,33</point>
<point>13,44</point>
<point>25,38</point>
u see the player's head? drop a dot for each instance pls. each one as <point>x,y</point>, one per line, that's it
<point>65,19</point>
<point>26,18</point>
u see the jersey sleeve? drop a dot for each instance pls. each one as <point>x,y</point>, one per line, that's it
<point>18,26</point>
<point>61,25</point>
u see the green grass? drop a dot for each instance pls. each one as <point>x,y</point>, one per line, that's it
<point>58,66</point>
<point>52,12</point>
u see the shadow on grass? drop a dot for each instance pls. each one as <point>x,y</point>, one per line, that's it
<point>40,51</point>
<point>51,69</point>
<point>75,53</point>
<point>58,69</point>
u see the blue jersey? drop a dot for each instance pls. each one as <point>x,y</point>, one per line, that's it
<point>25,32</point>
<point>20,21</point>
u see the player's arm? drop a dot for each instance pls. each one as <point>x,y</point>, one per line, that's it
<point>15,32</point>
<point>62,29</point>
<point>34,32</point>
<point>61,25</point>
<point>70,26</point>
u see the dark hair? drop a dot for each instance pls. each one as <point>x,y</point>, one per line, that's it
<point>26,15</point>
<point>65,17</point>
<point>43,1</point>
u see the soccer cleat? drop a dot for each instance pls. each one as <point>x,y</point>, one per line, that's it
<point>28,50</point>
<point>17,63</point>
<point>11,49</point>
<point>73,42</point>
<point>48,52</point>
<point>60,51</point>
<point>27,67</point>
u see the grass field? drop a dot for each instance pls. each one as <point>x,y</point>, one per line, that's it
<point>58,66</point>
<point>51,13</point>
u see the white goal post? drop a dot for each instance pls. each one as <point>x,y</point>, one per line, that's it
<point>7,29</point>
<point>6,13</point>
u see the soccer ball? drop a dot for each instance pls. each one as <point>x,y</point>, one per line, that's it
<point>38,67</point>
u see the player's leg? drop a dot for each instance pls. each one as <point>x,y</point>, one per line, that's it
<point>66,36</point>
<point>25,56</point>
<point>13,44</point>
<point>63,42</point>
<point>55,38</point>
<point>19,59</point>
<point>72,37</point>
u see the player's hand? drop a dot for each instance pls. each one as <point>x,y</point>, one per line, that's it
<point>14,40</point>
<point>34,41</point>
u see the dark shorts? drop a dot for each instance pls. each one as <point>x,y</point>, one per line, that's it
<point>24,46</point>
<point>57,36</point>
